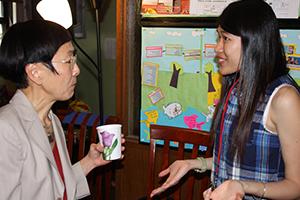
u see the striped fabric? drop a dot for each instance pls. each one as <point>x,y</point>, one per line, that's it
<point>262,159</point>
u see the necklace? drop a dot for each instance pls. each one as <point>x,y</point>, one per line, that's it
<point>49,131</point>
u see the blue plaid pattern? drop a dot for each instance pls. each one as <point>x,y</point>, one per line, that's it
<point>262,161</point>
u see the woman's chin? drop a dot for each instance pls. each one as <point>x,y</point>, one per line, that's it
<point>66,96</point>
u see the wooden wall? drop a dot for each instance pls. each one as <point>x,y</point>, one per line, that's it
<point>131,178</point>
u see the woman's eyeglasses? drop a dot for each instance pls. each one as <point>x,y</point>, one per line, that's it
<point>71,61</point>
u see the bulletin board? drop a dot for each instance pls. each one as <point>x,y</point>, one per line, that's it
<point>180,81</point>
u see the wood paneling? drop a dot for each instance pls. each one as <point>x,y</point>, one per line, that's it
<point>131,178</point>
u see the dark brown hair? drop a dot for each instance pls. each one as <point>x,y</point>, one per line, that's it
<point>262,61</point>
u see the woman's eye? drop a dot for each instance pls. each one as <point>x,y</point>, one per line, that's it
<point>226,38</point>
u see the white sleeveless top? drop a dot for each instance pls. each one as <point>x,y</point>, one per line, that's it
<point>267,109</point>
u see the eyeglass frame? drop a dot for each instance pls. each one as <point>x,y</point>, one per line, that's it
<point>72,60</point>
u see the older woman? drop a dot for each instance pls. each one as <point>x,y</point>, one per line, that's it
<point>39,58</point>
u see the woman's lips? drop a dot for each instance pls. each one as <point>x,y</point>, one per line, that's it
<point>220,59</point>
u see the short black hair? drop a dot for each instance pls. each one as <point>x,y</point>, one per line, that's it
<point>28,42</point>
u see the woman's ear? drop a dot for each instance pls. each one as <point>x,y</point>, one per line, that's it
<point>33,72</point>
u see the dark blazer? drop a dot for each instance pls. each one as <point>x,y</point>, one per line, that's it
<point>27,166</point>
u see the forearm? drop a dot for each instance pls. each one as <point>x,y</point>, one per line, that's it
<point>285,189</point>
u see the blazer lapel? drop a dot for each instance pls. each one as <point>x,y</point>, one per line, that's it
<point>31,123</point>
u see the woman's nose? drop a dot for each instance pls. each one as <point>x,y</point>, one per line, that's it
<point>219,47</point>
<point>76,70</point>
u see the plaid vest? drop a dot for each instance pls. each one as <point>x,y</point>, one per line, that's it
<point>262,160</point>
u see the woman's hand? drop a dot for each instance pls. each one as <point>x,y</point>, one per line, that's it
<point>229,190</point>
<point>94,158</point>
<point>176,171</point>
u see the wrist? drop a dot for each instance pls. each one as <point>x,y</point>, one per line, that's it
<point>202,166</point>
<point>87,164</point>
<point>263,191</point>
<point>242,185</point>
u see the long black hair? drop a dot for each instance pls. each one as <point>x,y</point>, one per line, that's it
<point>28,42</point>
<point>262,61</point>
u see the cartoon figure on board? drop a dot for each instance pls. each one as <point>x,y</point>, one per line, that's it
<point>172,110</point>
<point>152,117</point>
<point>211,110</point>
<point>191,122</point>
